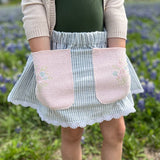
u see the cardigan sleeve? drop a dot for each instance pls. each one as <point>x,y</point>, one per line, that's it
<point>34,19</point>
<point>115,18</point>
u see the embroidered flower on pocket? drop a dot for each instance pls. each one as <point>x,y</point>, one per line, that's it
<point>42,73</point>
<point>120,71</point>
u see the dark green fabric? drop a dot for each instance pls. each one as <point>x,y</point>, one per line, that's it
<point>79,15</point>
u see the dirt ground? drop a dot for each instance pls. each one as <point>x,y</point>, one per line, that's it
<point>151,154</point>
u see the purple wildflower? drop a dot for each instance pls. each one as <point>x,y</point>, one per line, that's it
<point>3,88</point>
<point>158,96</point>
<point>150,88</point>
<point>141,104</point>
<point>18,129</point>
<point>1,78</point>
<point>144,57</point>
<point>153,74</point>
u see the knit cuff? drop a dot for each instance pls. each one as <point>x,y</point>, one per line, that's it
<point>116,23</point>
<point>36,30</point>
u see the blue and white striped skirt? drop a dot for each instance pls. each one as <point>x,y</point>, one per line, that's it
<point>86,109</point>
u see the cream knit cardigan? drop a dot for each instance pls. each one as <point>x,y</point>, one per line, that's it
<point>39,18</point>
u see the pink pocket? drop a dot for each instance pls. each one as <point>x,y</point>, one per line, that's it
<point>54,78</point>
<point>111,73</point>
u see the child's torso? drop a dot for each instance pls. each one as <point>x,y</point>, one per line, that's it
<point>79,15</point>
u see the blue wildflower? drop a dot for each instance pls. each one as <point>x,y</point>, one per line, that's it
<point>141,78</point>
<point>7,80</point>
<point>153,74</point>
<point>133,58</point>
<point>154,64</point>
<point>144,86</point>
<point>1,78</point>
<point>150,88</point>
<point>3,88</point>
<point>11,47</point>
<point>149,68</point>
<point>155,48</point>
<point>19,46</point>
<point>144,57</point>
<point>141,104</point>
<point>3,44</point>
<point>158,96</point>
<point>18,129</point>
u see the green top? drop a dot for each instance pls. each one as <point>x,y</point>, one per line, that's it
<point>79,15</point>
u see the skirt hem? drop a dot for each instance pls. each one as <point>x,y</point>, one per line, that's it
<point>137,91</point>
<point>75,124</point>
<point>91,122</point>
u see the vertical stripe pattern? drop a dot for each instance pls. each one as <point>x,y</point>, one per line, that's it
<point>86,109</point>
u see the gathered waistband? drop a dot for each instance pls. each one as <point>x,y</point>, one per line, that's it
<point>80,38</point>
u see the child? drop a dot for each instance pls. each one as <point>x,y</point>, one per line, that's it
<point>80,26</point>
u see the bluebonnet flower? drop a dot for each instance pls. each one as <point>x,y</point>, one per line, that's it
<point>18,129</point>
<point>144,50</point>
<point>150,88</point>
<point>3,44</point>
<point>144,57</point>
<point>155,48</point>
<point>153,74</point>
<point>7,80</point>
<point>3,88</point>
<point>19,46</point>
<point>146,81</point>
<point>155,63</point>
<point>148,48</point>
<point>11,47</point>
<point>141,78</point>
<point>147,62</point>
<point>133,58</point>
<point>132,50</point>
<point>144,86</point>
<point>158,96</point>
<point>149,68</point>
<point>1,78</point>
<point>18,75</point>
<point>141,104</point>
<point>136,48</point>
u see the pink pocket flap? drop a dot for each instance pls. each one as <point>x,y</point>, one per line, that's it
<point>54,78</point>
<point>111,73</point>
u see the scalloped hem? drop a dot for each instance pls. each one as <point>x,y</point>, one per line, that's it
<point>76,123</point>
<point>137,91</point>
<point>91,122</point>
